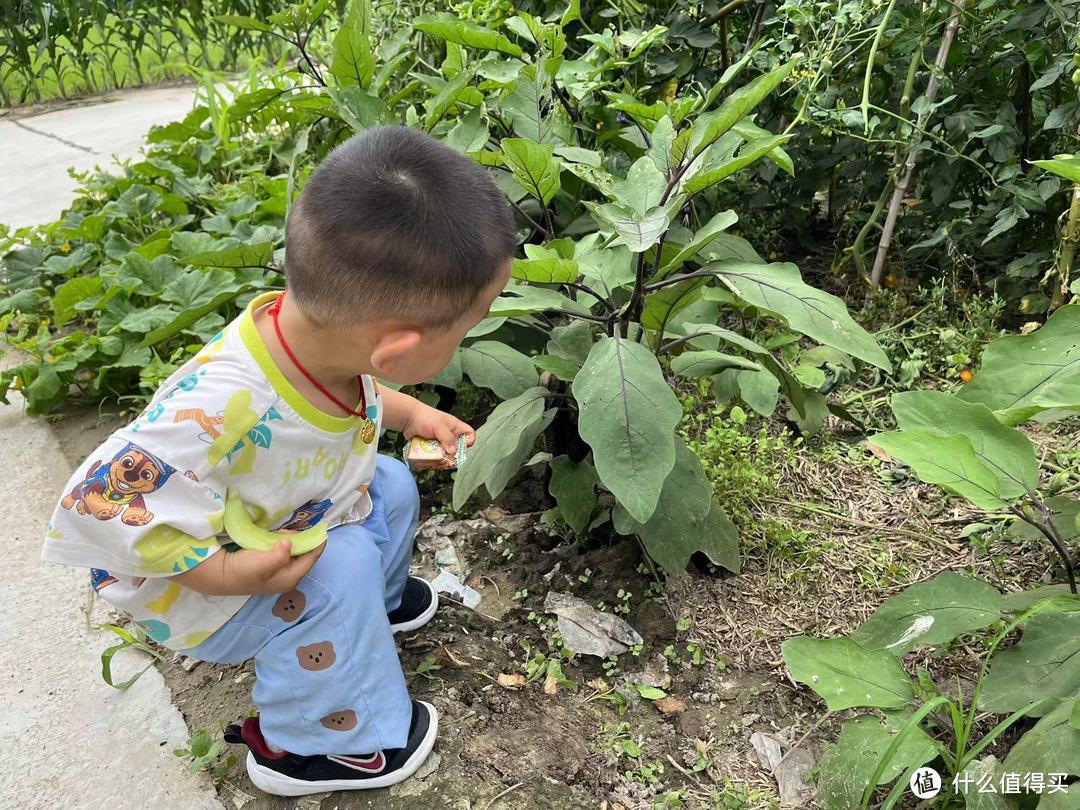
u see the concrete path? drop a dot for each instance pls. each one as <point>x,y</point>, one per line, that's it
<point>36,153</point>
<point>66,738</point>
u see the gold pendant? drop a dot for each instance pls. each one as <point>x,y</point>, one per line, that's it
<point>367,431</point>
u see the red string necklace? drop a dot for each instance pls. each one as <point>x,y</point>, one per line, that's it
<point>275,311</point>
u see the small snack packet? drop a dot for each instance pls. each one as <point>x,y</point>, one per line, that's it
<point>427,454</point>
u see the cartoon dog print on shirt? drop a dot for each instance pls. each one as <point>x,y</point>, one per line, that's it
<point>119,487</point>
<point>100,579</point>
<point>306,516</point>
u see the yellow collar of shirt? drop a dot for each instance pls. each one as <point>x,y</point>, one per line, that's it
<point>249,333</point>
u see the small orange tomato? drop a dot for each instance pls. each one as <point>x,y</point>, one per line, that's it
<point>966,375</point>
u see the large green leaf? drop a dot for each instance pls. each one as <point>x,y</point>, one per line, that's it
<point>573,485</point>
<point>708,363</point>
<point>527,104</point>
<point>257,256</point>
<point>353,60</point>
<point>470,134</point>
<point>453,29</point>
<point>525,300</point>
<point>573,342</point>
<point>846,674</point>
<point>933,612</point>
<point>638,232</point>
<point>1052,746</point>
<point>728,247</point>
<point>735,107</point>
<point>534,166</point>
<point>726,335</point>
<point>760,390</point>
<point>562,368</point>
<point>848,766</point>
<point>949,461</point>
<point>610,268</point>
<point>1065,517</point>
<point>1067,166</point>
<point>1045,663</point>
<point>983,772</point>
<point>1068,799</point>
<point>779,289</point>
<point>643,188</point>
<point>686,520</point>
<point>628,415</point>
<point>1004,450</point>
<point>494,365</point>
<point>548,270</point>
<point>668,147</point>
<point>498,442</point>
<point>706,234</point>
<point>664,304</point>
<point>438,105</point>
<point>1023,375</point>
<point>72,292</point>
<point>192,315</point>
<point>748,155</point>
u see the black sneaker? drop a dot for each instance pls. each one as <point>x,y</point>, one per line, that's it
<point>419,601</point>
<point>283,774</point>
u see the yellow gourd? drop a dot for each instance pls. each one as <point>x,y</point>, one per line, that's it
<point>243,531</point>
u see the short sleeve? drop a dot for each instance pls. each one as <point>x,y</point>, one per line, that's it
<point>129,511</point>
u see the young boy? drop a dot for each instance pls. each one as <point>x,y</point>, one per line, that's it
<point>396,249</point>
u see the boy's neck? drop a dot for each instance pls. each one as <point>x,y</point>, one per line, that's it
<point>314,348</point>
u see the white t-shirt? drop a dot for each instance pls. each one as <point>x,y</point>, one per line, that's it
<point>149,502</point>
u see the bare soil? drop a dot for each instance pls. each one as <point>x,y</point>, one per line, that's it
<point>860,538</point>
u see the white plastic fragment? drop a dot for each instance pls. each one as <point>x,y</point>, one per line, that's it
<point>453,587</point>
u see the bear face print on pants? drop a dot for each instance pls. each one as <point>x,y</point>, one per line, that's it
<point>340,721</point>
<point>315,657</point>
<point>289,606</point>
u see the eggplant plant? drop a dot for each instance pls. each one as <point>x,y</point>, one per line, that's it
<point>969,444</point>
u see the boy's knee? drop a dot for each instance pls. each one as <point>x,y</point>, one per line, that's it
<point>397,486</point>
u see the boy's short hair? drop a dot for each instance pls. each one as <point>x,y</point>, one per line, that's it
<point>395,225</point>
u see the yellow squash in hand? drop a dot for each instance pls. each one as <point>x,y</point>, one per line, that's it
<point>243,531</point>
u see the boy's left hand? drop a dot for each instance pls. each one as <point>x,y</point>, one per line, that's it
<point>431,423</point>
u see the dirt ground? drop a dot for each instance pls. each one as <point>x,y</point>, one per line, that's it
<point>711,640</point>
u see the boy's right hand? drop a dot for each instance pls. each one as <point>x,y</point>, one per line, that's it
<point>247,573</point>
<point>273,571</point>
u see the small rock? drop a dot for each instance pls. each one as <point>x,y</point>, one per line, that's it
<point>189,663</point>
<point>670,706</point>
<point>431,764</point>
<point>314,801</point>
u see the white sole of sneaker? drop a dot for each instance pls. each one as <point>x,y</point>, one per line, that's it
<point>278,784</point>
<point>423,618</point>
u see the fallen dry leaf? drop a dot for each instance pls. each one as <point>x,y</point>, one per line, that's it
<point>599,684</point>
<point>515,681</point>
<point>551,685</point>
<point>670,705</point>
<point>879,453</point>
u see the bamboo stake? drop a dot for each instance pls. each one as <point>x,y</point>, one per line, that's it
<point>947,38</point>
<point>1069,238</point>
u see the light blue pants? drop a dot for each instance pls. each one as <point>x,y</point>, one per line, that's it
<point>327,675</point>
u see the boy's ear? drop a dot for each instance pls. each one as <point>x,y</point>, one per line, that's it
<point>391,347</point>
